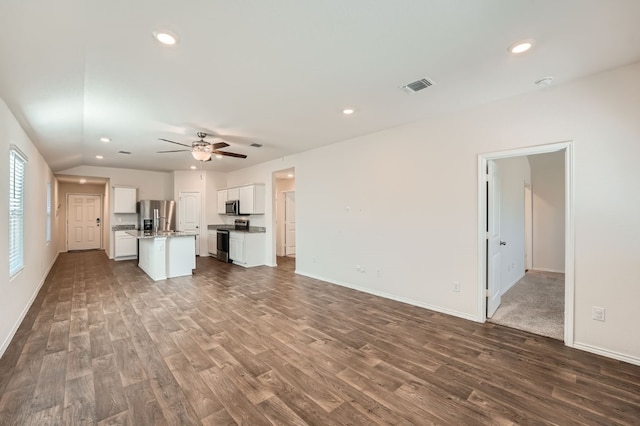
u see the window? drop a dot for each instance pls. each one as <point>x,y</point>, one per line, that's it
<point>17,167</point>
<point>48,224</point>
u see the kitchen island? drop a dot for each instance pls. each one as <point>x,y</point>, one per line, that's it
<point>166,254</point>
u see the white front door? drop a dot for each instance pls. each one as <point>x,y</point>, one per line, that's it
<point>290,223</point>
<point>84,222</point>
<point>494,290</point>
<point>189,215</point>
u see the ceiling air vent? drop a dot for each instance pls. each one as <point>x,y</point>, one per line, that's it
<point>256,145</point>
<point>418,85</point>
<point>124,152</point>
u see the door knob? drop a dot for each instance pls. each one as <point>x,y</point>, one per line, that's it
<point>503,243</point>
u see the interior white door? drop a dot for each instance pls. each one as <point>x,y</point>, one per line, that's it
<point>84,217</point>
<point>189,215</point>
<point>290,223</point>
<point>494,244</point>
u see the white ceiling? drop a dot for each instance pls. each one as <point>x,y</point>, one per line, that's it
<point>280,72</point>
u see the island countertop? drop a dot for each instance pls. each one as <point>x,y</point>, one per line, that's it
<point>161,234</point>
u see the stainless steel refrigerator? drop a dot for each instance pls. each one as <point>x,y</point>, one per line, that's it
<point>157,215</point>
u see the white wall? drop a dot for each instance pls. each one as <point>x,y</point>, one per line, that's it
<point>411,211</point>
<point>514,173</point>
<point>548,186</point>
<point>150,185</point>
<point>17,294</point>
<point>215,181</point>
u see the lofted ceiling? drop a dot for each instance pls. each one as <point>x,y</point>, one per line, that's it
<point>279,73</point>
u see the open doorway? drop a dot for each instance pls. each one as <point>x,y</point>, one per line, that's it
<point>285,215</point>
<point>504,247</point>
<point>530,211</point>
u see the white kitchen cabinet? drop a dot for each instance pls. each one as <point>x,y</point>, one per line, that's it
<point>163,257</point>
<point>246,248</point>
<point>236,248</point>
<point>212,242</point>
<point>251,199</point>
<point>124,199</point>
<point>233,194</point>
<point>222,199</point>
<point>125,246</point>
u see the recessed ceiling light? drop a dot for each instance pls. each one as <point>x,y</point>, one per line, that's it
<point>105,140</point>
<point>218,156</point>
<point>165,37</point>
<point>348,111</point>
<point>99,157</point>
<point>193,167</point>
<point>83,181</point>
<point>290,175</point>
<point>521,46</point>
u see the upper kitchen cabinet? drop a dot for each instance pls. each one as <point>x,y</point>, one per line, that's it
<point>252,199</point>
<point>124,199</point>
<point>233,194</point>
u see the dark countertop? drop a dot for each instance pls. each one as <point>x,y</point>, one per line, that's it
<point>123,227</point>
<point>162,234</point>
<point>252,229</point>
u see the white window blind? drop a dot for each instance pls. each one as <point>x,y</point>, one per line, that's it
<point>48,224</point>
<point>17,169</point>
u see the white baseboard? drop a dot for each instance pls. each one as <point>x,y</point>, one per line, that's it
<point>607,353</point>
<point>547,270</point>
<point>117,259</point>
<point>14,330</point>
<point>394,297</point>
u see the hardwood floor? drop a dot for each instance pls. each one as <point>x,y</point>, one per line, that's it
<point>103,344</point>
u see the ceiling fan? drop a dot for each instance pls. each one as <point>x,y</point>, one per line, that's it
<point>202,150</point>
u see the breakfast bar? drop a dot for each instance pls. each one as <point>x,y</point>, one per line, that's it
<point>166,254</point>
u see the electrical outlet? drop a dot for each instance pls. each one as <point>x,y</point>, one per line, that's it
<point>456,286</point>
<point>378,272</point>
<point>598,313</point>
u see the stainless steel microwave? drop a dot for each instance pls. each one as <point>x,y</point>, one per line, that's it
<point>232,207</point>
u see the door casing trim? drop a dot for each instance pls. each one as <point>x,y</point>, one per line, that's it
<point>569,301</point>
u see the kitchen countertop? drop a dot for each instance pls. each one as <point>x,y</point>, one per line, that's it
<point>123,227</point>
<point>252,229</point>
<point>161,234</point>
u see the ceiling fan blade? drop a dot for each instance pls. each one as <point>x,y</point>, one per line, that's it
<point>176,150</point>
<point>177,143</point>
<point>219,145</point>
<point>229,154</point>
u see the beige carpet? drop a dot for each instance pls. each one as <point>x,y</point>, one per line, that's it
<point>534,304</point>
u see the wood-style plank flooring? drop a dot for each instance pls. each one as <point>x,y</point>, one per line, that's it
<point>103,344</point>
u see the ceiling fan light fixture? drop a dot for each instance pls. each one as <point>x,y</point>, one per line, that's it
<point>201,155</point>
